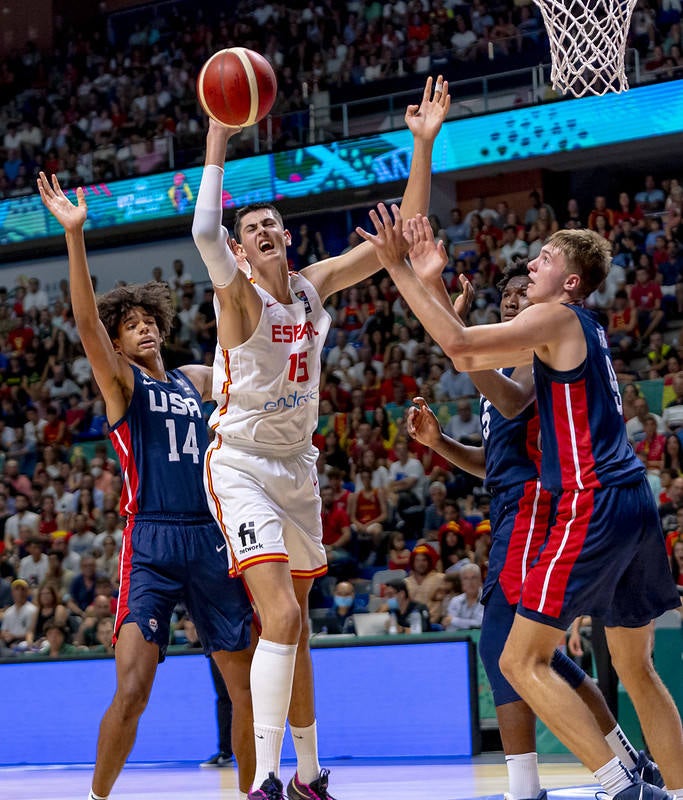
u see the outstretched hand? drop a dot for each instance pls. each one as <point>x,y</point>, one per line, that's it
<point>390,244</point>
<point>427,256</point>
<point>463,302</point>
<point>71,217</point>
<point>422,424</point>
<point>424,121</point>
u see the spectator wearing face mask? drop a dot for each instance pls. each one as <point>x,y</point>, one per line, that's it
<point>339,618</point>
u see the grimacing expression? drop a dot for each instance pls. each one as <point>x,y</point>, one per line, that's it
<point>263,238</point>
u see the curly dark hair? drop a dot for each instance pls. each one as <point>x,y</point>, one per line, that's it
<point>153,297</point>
<point>516,268</point>
<point>237,224</point>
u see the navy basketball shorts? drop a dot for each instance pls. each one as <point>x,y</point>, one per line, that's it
<point>169,559</point>
<point>604,556</point>
<point>498,618</point>
<point>520,516</point>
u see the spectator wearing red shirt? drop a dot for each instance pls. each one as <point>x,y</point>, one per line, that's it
<point>372,395</point>
<point>629,211</point>
<point>55,432</point>
<point>336,535</point>
<point>351,316</point>
<point>394,374</point>
<point>646,296</point>
<point>651,448</point>
<point>622,322</point>
<point>21,335</point>
<point>660,254</point>
<point>49,519</point>
<point>341,495</point>
<point>339,398</point>
<point>600,210</point>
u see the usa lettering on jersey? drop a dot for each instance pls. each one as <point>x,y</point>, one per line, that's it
<point>164,402</point>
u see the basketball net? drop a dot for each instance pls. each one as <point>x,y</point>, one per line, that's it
<point>587,44</point>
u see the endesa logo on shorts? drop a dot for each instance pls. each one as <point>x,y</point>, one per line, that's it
<point>293,333</point>
<point>292,400</point>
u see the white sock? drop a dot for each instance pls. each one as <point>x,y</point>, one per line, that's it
<point>242,795</point>
<point>93,796</point>
<point>622,748</point>
<point>523,775</point>
<point>306,746</point>
<point>272,672</point>
<point>614,777</point>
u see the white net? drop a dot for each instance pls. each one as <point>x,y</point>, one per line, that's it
<point>587,44</point>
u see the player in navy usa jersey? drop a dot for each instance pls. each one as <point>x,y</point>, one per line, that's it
<point>509,462</point>
<point>604,554</point>
<point>172,549</point>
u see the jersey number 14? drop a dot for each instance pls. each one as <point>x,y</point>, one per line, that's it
<point>189,448</point>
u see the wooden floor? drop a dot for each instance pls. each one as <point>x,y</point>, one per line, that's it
<point>461,779</point>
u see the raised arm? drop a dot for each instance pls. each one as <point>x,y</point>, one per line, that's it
<point>423,426</point>
<point>504,344</point>
<point>424,121</point>
<point>236,296</point>
<point>112,372</point>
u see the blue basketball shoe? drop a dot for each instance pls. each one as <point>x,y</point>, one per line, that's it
<point>642,791</point>
<point>648,771</point>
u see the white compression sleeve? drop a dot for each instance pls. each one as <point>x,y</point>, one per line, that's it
<point>210,236</point>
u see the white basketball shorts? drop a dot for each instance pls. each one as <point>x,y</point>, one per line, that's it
<point>268,508</point>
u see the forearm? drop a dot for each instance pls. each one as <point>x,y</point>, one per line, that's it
<point>509,396</point>
<point>83,300</point>
<point>466,457</point>
<point>418,188</point>
<point>209,234</point>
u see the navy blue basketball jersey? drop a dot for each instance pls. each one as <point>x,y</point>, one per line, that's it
<point>583,436</point>
<point>161,441</point>
<point>510,445</point>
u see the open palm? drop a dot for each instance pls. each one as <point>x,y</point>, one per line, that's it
<point>428,257</point>
<point>424,121</point>
<point>71,217</point>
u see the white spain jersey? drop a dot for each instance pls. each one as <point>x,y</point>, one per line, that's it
<point>267,388</point>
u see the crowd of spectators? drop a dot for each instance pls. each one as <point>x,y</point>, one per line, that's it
<point>116,92</point>
<point>389,504</point>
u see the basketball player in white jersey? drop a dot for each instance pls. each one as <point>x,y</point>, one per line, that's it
<point>260,472</point>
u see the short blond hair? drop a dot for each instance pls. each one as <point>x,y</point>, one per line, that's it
<point>586,253</point>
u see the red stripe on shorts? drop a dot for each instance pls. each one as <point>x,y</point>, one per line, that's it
<point>528,534</point>
<point>125,565</point>
<point>546,584</point>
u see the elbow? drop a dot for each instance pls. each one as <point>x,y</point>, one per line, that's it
<point>202,234</point>
<point>207,230</point>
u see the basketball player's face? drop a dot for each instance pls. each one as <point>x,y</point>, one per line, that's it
<point>514,297</point>
<point>264,240</point>
<point>547,275</point>
<point>139,335</point>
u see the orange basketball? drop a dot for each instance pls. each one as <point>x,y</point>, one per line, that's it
<point>237,86</point>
